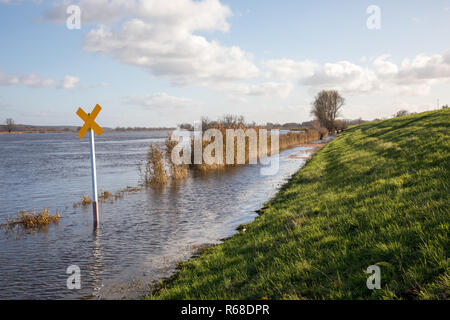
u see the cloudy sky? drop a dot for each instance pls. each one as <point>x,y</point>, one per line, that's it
<point>160,62</point>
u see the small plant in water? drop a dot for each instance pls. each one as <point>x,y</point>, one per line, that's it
<point>85,200</point>
<point>34,220</point>
<point>106,195</point>
<point>154,172</point>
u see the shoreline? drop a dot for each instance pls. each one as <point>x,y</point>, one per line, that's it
<point>159,284</point>
<point>357,203</point>
<point>198,249</point>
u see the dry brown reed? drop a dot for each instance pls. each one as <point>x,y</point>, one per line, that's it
<point>154,172</point>
<point>105,195</point>
<point>85,200</point>
<point>34,220</point>
<point>177,172</point>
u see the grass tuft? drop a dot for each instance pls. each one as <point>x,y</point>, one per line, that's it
<point>30,220</point>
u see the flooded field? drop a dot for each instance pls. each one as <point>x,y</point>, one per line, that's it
<point>142,235</point>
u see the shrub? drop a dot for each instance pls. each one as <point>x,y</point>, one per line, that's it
<point>177,172</point>
<point>35,220</point>
<point>323,133</point>
<point>154,171</point>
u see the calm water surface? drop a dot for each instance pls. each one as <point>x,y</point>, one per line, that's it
<point>142,235</point>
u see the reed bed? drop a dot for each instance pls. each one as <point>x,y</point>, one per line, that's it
<point>154,171</point>
<point>159,169</point>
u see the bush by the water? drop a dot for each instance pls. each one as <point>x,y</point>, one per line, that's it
<point>154,172</point>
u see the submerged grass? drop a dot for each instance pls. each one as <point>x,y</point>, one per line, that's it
<point>105,195</point>
<point>30,220</point>
<point>377,194</point>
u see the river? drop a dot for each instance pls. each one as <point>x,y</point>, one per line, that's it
<point>142,236</point>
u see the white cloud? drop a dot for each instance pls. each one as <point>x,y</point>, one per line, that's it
<point>160,101</point>
<point>288,69</point>
<point>36,81</point>
<point>163,38</point>
<point>426,67</point>
<point>412,76</point>
<point>343,76</point>
<point>30,80</point>
<point>269,88</point>
<point>384,67</point>
<point>160,36</point>
<point>69,82</point>
<point>207,15</point>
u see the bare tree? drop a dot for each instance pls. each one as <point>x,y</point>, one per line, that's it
<point>326,108</point>
<point>232,121</point>
<point>9,125</point>
<point>206,123</point>
<point>315,124</point>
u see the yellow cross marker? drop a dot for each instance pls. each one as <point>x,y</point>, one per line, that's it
<point>89,122</point>
<point>92,126</point>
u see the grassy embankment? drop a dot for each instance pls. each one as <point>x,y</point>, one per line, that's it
<point>377,194</point>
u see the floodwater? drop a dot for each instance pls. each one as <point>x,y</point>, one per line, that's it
<point>141,237</point>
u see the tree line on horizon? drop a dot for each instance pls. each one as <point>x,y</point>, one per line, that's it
<point>326,109</point>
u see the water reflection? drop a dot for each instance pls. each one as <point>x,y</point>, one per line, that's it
<point>96,270</point>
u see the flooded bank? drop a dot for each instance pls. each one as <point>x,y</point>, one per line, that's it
<point>142,236</point>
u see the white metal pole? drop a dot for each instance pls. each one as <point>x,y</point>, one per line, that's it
<point>94,181</point>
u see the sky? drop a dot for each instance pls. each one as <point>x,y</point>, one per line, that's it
<point>160,63</point>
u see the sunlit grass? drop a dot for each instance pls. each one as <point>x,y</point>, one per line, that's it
<point>377,194</point>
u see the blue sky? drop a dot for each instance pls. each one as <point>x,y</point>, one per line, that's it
<point>159,63</point>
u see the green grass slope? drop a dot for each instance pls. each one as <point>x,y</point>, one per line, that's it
<point>377,194</point>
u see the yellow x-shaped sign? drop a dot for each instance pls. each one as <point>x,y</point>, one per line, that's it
<point>89,122</point>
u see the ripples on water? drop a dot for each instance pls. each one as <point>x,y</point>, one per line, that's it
<point>142,236</point>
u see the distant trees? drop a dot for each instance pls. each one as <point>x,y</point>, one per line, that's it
<point>227,121</point>
<point>326,108</point>
<point>138,128</point>
<point>232,121</point>
<point>186,126</point>
<point>288,125</point>
<point>9,123</point>
<point>401,113</point>
<point>360,120</point>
